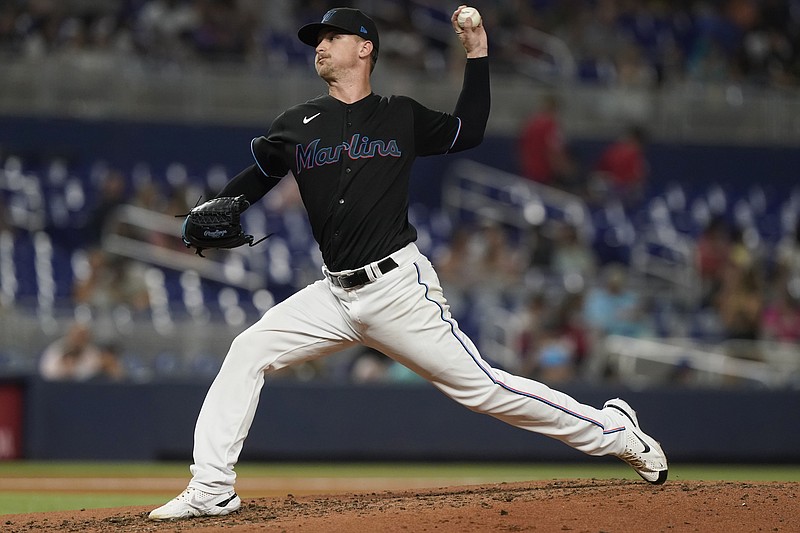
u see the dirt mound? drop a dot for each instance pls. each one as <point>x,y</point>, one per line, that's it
<point>569,505</point>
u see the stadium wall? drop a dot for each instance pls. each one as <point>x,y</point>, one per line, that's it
<point>155,421</point>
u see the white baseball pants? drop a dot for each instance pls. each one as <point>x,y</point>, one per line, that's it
<point>404,315</point>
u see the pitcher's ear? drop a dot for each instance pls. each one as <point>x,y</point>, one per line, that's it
<point>366,49</point>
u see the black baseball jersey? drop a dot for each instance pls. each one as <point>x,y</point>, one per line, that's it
<point>352,163</point>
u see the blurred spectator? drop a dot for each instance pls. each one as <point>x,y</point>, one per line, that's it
<point>455,268</point>
<point>73,357</point>
<point>711,256</point>
<point>709,63</point>
<point>593,37</point>
<point>532,319</point>
<point>499,262</point>
<point>572,255</point>
<point>225,32</point>
<point>780,320</point>
<point>112,194</point>
<point>612,308</point>
<point>740,303</point>
<point>164,28</point>
<point>484,255</point>
<point>542,148</point>
<point>574,326</point>
<point>623,169</point>
<point>647,29</point>
<point>632,69</point>
<point>540,243</point>
<point>404,45</point>
<point>553,343</point>
<point>111,367</point>
<point>742,256</point>
<point>105,282</point>
<point>151,195</point>
<point>769,58</point>
<point>148,194</point>
<point>787,260</point>
<point>454,263</point>
<point>555,355</point>
<point>369,366</point>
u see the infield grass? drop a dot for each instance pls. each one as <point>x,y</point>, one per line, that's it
<point>49,486</point>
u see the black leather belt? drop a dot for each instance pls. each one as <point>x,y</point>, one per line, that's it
<point>359,277</point>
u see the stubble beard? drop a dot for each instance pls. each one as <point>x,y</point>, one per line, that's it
<point>325,70</point>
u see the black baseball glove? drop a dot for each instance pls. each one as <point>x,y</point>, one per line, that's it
<point>216,224</point>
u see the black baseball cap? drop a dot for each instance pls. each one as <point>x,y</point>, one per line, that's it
<point>346,19</point>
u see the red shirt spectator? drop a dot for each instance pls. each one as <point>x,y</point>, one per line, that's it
<point>542,151</point>
<point>781,319</point>
<point>624,167</point>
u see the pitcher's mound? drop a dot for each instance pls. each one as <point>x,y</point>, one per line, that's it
<point>568,505</point>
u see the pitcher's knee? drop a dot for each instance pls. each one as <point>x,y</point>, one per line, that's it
<point>248,352</point>
<point>478,400</point>
<point>241,342</point>
<point>264,351</point>
<point>239,346</point>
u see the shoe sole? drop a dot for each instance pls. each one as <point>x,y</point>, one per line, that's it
<point>212,512</point>
<point>188,516</point>
<point>623,407</point>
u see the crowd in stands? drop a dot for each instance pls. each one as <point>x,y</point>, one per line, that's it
<point>545,156</point>
<point>610,42</point>
<point>77,356</point>
<point>748,289</point>
<point>746,293</point>
<point>562,294</point>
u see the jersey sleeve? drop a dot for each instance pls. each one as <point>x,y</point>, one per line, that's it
<point>438,132</point>
<point>269,151</point>
<point>434,131</point>
<point>473,104</point>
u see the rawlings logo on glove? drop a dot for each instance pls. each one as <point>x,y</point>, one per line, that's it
<point>216,224</point>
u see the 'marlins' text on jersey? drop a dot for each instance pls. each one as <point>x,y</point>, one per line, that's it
<point>357,147</point>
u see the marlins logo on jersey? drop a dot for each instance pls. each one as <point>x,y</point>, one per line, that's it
<point>358,147</point>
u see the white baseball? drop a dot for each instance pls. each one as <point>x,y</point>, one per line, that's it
<point>469,13</point>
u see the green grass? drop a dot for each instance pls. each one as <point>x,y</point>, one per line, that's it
<point>41,502</point>
<point>457,473</point>
<point>489,471</point>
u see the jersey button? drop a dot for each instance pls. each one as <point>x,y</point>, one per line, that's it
<point>341,200</point>
<point>348,170</point>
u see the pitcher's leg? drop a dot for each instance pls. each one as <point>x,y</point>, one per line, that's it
<point>421,334</point>
<point>305,326</point>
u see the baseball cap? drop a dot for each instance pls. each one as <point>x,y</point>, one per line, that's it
<point>346,19</point>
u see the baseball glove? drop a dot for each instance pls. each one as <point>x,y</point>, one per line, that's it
<point>216,224</point>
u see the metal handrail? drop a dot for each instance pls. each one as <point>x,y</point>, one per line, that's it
<point>624,354</point>
<point>508,198</point>
<point>562,66</point>
<point>124,244</point>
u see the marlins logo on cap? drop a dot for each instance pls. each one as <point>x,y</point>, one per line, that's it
<point>345,19</point>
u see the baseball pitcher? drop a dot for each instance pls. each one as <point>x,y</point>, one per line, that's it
<point>351,152</point>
